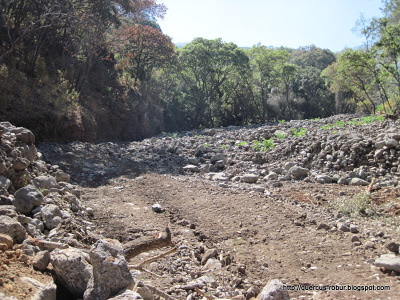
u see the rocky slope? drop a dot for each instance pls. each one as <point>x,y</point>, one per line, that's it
<point>342,149</point>
<point>335,181</point>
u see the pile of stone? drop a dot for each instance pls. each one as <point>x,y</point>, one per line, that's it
<point>352,154</point>
<point>43,223</point>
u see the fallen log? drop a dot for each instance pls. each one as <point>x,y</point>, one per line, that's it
<point>140,245</point>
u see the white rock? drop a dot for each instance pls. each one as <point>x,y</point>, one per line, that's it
<point>4,182</point>
<point>249,178</point>
<point>191,168</point>
<point>358,181</point>
<point>72,270</point>
<point>45,182</point>
<point>274,291</point>
<point>389,262</point>
<point>110,270</point>
<point>213,264</point>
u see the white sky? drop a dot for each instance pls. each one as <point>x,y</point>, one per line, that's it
<point>291,23</point>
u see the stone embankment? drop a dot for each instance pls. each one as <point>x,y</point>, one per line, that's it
<point>344,149</point>
<point>44,224</point>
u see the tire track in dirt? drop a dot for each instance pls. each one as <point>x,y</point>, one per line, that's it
<point>273,236</point>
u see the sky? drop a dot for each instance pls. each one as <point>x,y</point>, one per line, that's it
<point>328,24</point>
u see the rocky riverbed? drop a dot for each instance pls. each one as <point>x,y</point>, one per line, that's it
<point>310,203</point>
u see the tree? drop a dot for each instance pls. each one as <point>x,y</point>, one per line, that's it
<point>309,87</point>
<point>141,48</point>
<point>206,67</point>
<point>288,72</point>
<point>316,99</point>
<point>267,67</point>
<point>312,56</point>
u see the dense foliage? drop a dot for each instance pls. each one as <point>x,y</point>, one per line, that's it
<point>103,69</point>
<point>369,78</point>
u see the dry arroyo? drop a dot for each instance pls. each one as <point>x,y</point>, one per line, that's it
<point>313,205</point>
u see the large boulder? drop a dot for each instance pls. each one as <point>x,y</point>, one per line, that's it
<point>110,270</point>
<point>24,135</point>
<point>13,228</point>
<point>45,182</point>
<point>298,172</point>
<point>20,163</point>
<point>72,270</point>
<point>27,198</point>
<point>358,181</point>
<point>52,215</point>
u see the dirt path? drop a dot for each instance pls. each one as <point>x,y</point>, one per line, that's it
<point>273,236</point>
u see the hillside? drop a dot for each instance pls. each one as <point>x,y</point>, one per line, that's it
<point>316,205</point>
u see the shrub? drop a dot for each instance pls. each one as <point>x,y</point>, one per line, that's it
<point>297,132</point>
<point>359,204</point>
<point>263,145</point>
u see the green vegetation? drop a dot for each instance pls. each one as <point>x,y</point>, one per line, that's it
<point>105,66</point>
<point>358,205</point>
<point>281,135</point>
<point>355,122</point>
<point>297,132</point>
<point>263,145</point>
<point>243,144</point>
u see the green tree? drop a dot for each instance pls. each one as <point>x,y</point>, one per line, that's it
<point>206,67</point>
<point>267,65</point>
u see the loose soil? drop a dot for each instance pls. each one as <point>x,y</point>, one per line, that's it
<point>272,236</point>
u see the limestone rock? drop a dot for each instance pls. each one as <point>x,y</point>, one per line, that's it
<point>72,270</point>
<point>388,261</point>
<point>145,293</point>
<point>324,179</point>
<point>20,163</point>
<point>274,291</point>
<point>24,135</point>
<point>12,228</point>
<point>110,270</point>
<point>52,215</point>
<point>298,172</point>
<point>391,143</point>
<point>191,168</point>
<point>45,182</point>
<point>27,198</point>
<point>213,264</point>
<point>249,178</point>
<point>272,176</point>
<point>41,260</point>
<point>62,177</point>
<point>4,182</point>
<point>358,181</point>
<point>126,295</point>
<point>45,291</point>
<point>210,253</point>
